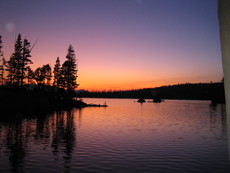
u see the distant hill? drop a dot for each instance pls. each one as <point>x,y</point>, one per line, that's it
<point>188,91</point>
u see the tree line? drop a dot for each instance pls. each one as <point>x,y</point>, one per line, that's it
<point>198,91</point>
<point>16,71</point>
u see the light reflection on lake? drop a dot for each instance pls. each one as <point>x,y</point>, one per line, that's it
<point>172,136</point>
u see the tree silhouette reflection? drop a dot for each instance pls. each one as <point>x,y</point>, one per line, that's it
<point>63,139</point>
<point>16,141</point>
<point>55,133</point>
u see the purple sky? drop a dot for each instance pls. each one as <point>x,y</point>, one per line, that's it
<point>120,44</point>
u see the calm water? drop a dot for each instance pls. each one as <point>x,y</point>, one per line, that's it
<point>173,136</point>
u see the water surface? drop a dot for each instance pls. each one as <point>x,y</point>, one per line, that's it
<point>172,136</point>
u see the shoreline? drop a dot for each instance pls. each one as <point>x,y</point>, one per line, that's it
<point>38,101</point>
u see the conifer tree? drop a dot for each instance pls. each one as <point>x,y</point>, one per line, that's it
<point>69,71</point>
<point>17,57</point>
<point>38,76</point>
<point>2,63</point>
<point>25,59</point>
<point>2,70</point>
<point>11,67</point>
<point>57,73</point>
<point>1,53</point>
<point>47,73</point>
<point>29,75</point>
<point>43,74</point>
<point>18,62</point>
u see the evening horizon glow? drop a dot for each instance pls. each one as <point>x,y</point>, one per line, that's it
<point>120,44</point>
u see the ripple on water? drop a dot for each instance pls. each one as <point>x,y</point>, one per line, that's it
<point>174,136</point>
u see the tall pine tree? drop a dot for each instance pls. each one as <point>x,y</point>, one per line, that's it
<point>69,70</point>
<point>25,59</point>
<point>18,62</point>
<point>17,56</point>
<point>57,73</point>
<point>11,67</point>
<point>2,63</point>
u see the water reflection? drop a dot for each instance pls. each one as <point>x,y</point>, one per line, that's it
<point>16,141</point>
<point>63,130</point>
<point>56,131</point>
<point>218,117</point>
<point>148,138</point>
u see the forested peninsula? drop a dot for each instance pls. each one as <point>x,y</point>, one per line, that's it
<point>25,89</point>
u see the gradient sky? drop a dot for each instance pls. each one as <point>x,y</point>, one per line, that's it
<point>120,44</point>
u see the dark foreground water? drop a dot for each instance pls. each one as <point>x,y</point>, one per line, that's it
<point>173,136</point>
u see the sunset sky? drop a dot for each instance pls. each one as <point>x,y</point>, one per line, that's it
<point>120,44</point>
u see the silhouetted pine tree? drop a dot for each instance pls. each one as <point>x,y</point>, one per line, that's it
<point>29,75</point>
<point>43,75</point>
<point>11,67</point>
<point>25,59</point>
<point>38,75</point>
<point>17,56</point>
<point>47,72</point>
<point>1,53</point>
<point>57,73</point>
<point>18,62</point>
<point>2,63</point>
<point>2,70</point>
<point>69,71</point>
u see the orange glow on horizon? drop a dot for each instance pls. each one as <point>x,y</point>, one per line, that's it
<point>103,85</point>
<point>107,74</point>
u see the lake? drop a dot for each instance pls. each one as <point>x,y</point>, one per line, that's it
<point>172,136</point>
